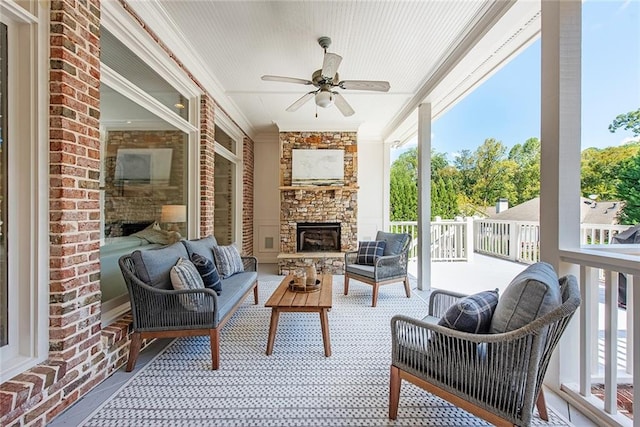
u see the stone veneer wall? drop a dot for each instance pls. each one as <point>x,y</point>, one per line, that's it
<point>318,204</point>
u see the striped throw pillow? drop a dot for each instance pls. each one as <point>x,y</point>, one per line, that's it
<point>228,260</point>
<point>184,275</point>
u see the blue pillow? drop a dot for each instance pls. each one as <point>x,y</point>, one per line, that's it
<point>472,313</point>
<point>368,252</point>
<point>208,272</point>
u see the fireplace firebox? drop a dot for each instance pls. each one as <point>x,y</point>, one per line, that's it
<point>318,236</point>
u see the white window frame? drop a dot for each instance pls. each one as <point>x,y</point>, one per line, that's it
<point>230,128</point>
<point>28,188</point>
<point>119,23</point>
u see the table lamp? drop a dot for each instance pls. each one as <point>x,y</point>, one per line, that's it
<point>172,215</point>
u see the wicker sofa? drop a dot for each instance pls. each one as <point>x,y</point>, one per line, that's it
<point>494,375</point>
<point>157,309</point>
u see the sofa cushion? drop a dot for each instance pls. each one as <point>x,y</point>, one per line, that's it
<point>202,247</point>
<point>228,260</point>
<point>394,242</point>
<point>368,252</point>
<point>154,266</point>
<point>184,275</point>
<point>208,272</point>
<point>361,270</point>
<point>472,313</point>
<point>234,287</point>
<point>531,294</point>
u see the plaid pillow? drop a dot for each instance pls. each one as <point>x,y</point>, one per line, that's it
<point>368,252</point>
<point>471,314</point>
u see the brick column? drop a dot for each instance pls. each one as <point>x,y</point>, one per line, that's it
<point>74,119</point>
<point>247,195</point>
<point>207,162</point>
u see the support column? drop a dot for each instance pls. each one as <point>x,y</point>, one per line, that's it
<point>560,154</point>
<point>424,196</point>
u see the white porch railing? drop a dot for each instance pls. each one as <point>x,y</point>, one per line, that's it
<point>450,240</point>
<point>513,240</point>
<point>607,351</point>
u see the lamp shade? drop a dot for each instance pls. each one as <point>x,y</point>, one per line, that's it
<point>174,213</point>
<point>324,99</point>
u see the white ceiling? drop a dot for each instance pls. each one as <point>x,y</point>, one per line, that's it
<point>427,50</point>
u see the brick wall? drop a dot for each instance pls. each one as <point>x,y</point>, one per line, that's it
<point>81,352</point>
<point>247,190</point>
<point>207,160</point>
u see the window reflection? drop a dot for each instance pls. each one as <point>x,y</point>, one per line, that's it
<point>144,167</point>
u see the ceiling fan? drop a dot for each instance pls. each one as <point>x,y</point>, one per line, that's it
<point>326,80</point>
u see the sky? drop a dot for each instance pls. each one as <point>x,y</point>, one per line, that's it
<point>507,106</point>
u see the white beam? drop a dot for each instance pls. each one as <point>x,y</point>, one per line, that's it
<point>424,196</point>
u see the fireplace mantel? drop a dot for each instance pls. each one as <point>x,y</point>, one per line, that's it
<point>318,187</point>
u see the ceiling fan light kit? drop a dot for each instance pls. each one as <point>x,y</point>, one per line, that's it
<point>325,80</point>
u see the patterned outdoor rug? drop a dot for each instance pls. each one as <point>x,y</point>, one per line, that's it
<point>295,386</point>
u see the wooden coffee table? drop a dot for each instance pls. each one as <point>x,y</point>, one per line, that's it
<point>284,300</point>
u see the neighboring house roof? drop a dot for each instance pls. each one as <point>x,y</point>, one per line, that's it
<point>591,212</point>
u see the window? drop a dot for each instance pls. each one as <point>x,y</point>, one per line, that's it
<point>4,308</point>
<point>147,159</point>
<point>24,215</point>
<point>227,182</point>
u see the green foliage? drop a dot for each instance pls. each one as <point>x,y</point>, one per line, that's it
<point>526,173</point>
<point>600,169</point>
<point>629,121</point>
<point>404,187</point>
<point>628,189</point>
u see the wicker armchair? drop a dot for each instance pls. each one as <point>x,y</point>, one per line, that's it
<point>389,268</point>
<point>159,313</point>
<point>497,377</point>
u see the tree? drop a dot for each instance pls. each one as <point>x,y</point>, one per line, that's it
<point>629,121</point>
<point>491,180</point>
<point>404,187</point>
<point>526,174</point>
<point>629,190</point>
<point>600,169</point>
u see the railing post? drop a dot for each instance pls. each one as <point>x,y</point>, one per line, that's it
<point>469,233</point>
<point>514,240</point>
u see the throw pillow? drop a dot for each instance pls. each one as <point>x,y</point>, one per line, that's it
<point>208,272</point>
<point>228,260</point>
<point>472,313</point>
<point>368,252</point>
<point>531,294</point>
<point>184,275</point>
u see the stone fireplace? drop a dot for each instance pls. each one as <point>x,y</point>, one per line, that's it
<point>334,205</point>
<point>318,236</point>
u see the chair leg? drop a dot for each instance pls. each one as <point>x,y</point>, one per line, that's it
<point>214,338</point>
<point>346,284</point>
<point>541,404</point>
<point>134,350</point>
<point>255,294</point>
<point>394,392</point>
<point>407,286</point>
<point>376,287</point>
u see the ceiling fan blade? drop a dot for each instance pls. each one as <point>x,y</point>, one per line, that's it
<point>342,105</point>
<point>306,97</point>
<point>379,86</point>
<point>330,65</point>
<point>286,80</point>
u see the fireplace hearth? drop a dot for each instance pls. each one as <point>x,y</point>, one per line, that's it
<point>318,236</point>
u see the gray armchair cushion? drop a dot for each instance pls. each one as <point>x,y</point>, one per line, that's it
<point>202,247</point>
<point>154,266</point>
<point>395,242</point>
<point>533,293</point>
<point>362,270</point>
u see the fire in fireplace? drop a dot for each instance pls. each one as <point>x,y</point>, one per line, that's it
<point>318,236</point>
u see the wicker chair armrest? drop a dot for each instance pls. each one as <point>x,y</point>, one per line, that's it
<point>250,263</point>
<point>350,257</point>
<point>440,300</point>
<point>389,266</point>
